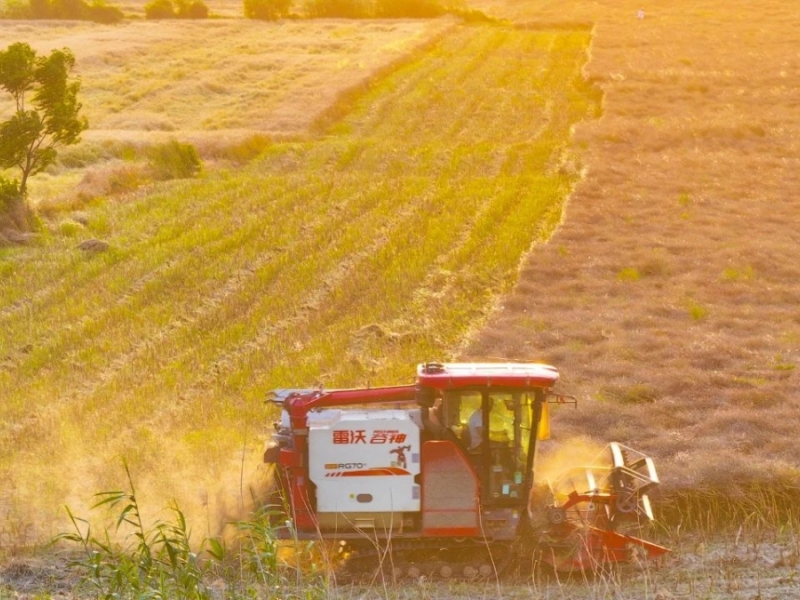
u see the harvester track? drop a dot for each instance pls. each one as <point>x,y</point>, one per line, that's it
<point>434,559</point>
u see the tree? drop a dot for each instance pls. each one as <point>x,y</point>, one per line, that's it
<point>46,109</point>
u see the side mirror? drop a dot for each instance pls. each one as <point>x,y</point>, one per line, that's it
<point>543,431</point>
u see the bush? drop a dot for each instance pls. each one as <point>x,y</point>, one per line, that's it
<point>181,9</point>
<point>416,9</point>
<point>174,160</point>
<point>98,11</point>
<point>266,10</point>
<point>9,195</point>
<point>9,192</point>
<point>192,10</point>
<point>159,9</point>
<point>14,211</point>
<point>346,9</point>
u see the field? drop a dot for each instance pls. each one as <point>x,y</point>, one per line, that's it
<point>144,84</point>
<point>220,289</point>
<point>610,194</point>
<point>672,284</point>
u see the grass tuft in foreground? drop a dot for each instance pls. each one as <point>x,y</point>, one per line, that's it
<point>136,559</point>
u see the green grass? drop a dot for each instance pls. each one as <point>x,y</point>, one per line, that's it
<point>412,213</point>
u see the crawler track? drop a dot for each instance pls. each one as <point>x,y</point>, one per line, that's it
<point>430,559</point>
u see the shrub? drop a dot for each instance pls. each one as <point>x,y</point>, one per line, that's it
<point>418,9</point>
<point>266,10</point>
<point>159,9</point>
<point>100,12</point>
<point>174,160</point>
<point>192,10</point>
<point>14,211</point>
<point>9,194</point>
<point>97,11</point>
<point>346,9</point>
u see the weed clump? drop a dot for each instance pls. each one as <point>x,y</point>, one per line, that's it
<point>160,560</point>
<point>629,274</point>
<point>246,150</point>
<point>174,160</point>
<point>637,393</point>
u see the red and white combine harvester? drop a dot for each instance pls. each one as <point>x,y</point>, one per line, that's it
<point>440,477</point>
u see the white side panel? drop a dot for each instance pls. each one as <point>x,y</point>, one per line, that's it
<point>364,461</point>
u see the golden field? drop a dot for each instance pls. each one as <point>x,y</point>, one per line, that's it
<point>671,288</point>
<point>211,83</point>
<point>660,272</point>
<point>336,258</point>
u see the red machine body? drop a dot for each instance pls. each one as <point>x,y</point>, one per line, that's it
<point>414,465</point>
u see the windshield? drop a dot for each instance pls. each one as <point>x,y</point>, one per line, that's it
<point>499,453</point>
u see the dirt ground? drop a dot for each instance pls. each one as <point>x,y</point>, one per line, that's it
<point>736,567</point>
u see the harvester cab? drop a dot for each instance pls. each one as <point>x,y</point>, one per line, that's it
<point>444,470</point>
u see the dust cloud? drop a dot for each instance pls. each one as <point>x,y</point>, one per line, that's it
<point>211,497</point>
<point>555,461</point>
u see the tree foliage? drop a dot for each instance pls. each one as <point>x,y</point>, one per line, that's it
<point>45,109</point>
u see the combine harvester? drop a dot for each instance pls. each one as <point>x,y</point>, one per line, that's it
<point>408,479</point>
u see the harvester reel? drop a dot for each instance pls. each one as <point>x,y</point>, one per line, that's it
<point>593,505</point>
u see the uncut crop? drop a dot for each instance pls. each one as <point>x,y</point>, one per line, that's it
<point>339,261</point>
